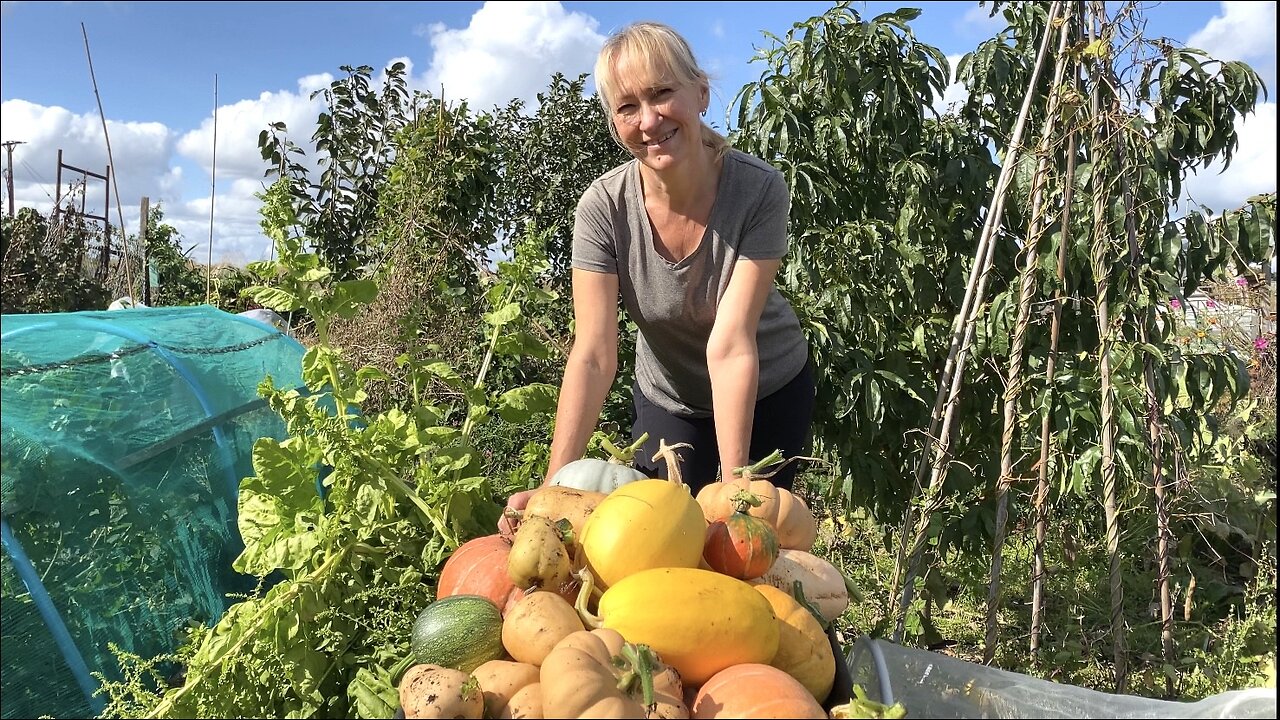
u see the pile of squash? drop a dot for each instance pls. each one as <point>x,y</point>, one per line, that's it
<point>621,596</point>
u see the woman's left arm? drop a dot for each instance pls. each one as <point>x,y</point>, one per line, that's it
<point>733,359</point>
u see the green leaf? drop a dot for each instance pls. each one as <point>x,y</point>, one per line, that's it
<point>503,315</point>
<point>372,694</point>
<point>519,404</point>
<point>274,298</point>
<point>278,509</point>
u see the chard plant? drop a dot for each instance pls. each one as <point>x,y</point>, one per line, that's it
<point>347,520</point>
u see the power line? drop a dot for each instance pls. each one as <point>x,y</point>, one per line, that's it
<point>37,178</point>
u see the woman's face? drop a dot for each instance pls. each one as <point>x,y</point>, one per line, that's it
<point>658,119</point>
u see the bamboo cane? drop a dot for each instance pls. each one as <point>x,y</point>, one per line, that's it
<point>1099,259</point>
<point>1013,386</point>
<point>935,453</point>
<point>1155,432</point>
<point>1041,496</point>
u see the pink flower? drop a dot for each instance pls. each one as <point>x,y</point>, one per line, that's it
<point>1242,281</point>
<point>1175,303</point>
<point>1211,304</point>
<point>1261,343</point>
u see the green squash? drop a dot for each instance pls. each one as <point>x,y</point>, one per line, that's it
<point>461,632</point>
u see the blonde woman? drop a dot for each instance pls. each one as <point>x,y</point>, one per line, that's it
<point>690,234</point>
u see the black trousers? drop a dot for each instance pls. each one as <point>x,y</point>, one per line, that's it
<point>783,421</point>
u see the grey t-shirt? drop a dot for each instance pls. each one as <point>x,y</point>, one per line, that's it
<point>674,304</point>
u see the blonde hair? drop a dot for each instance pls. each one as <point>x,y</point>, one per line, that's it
<point>666,54</point>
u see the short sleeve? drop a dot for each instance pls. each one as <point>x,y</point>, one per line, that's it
<point>594,245</point>
<point>764,236</point>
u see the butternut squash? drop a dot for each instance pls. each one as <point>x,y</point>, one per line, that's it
<point>823,584</point>
<point>597,674</point>
<point>511,689</point>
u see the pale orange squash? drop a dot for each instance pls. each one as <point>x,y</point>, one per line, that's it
<point>754,690</point>
<point>804,650</point>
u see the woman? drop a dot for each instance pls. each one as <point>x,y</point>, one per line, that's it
<point>691,234</point>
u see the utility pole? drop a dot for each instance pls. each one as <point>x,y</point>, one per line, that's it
<point>8,173</point>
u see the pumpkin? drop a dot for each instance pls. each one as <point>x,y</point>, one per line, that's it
<point>536,624</point>
<point>785,512</point>
<point>804,650</point>
<point>602,476</point>
<point>538,558</point>
<point>754,690</point>
<point>698,621</point>
<point>796,527</point>
<point>823,583</point>
<point>643,525</point>
<point>597,674</point>
<point>740,545</point>
<point>511,689</point>
<point>479,567</point>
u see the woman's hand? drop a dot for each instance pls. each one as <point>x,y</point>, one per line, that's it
<point>517,502</point>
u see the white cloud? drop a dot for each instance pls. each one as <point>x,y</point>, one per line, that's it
<point>1244,31</point>
<point>977,23</point>
<point>955,93</point>
<point>509,50</point>
<point>240,123</point>
<point>717,29</point>
<point>1252,170</point>
<point>141,151</point>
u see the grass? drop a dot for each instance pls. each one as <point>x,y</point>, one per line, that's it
<point>1223,646</point>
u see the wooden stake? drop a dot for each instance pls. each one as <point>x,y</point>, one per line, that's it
<point>937,445</point>
<point>124,238</point>
<point>1100,258</point>
<point>1013,386</point>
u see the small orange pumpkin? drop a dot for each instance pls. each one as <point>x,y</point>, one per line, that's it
<point>786,513</point>
<point>479,567</point>
<point>740,545</point>
<point>754,690</point>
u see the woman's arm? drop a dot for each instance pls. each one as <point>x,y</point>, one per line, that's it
<point>733,358</point>
<point>592,365</point>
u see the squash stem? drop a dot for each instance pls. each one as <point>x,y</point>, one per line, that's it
<point>590,620</point>
<point>797,591</point>
<point>622,456</point>
<point>755,470</point>
<point>744,500</point>
<point>401,668</point>
<point>668,453</point>
<point>641,659</point>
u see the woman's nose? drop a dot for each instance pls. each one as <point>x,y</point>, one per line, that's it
<point>650,118</point>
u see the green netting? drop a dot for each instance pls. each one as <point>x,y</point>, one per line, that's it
<point>125,435</point>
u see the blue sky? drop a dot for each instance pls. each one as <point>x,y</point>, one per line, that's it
<point>155,64</point>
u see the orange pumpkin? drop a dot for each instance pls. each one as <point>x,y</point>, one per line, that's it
<point>754,690</point>
<point>479,567</point>
<point>740,545</point>
<point>796,527</point>
<point>786,513</point>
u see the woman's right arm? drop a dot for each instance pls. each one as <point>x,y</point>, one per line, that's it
<point>590,370</point>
